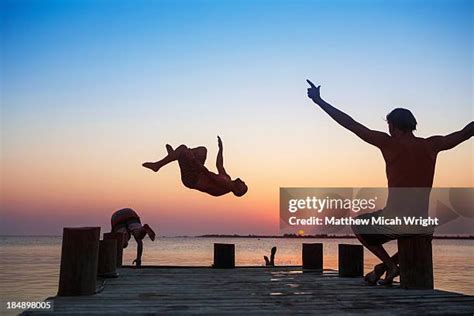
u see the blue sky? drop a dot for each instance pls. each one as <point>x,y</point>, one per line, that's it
<point>143,52</point>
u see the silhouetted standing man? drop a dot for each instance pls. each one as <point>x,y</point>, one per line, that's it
<point>410,163</point>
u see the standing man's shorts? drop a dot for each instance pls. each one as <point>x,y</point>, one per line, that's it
<point>377,234</point>
<point>126,221</point>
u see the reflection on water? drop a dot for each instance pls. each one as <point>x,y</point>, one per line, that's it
<point>29,266</point>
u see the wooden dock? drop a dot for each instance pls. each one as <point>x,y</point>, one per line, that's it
<point>252,290</point>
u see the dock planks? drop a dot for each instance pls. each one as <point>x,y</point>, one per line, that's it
<point>285,290</point>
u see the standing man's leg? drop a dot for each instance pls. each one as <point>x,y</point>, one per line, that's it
<point>389,263</point>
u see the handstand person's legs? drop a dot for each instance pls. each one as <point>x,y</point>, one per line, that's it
<point>173,155</point>
<point>141,232</point>
<point>149,231</point>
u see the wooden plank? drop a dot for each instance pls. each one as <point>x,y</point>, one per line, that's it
<point>277,290</point>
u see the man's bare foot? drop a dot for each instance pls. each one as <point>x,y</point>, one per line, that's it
<point>151,165</point>
<point>169,149</point>
<point>149,231</point>
<point>372,277</point>
<point>391,274</point>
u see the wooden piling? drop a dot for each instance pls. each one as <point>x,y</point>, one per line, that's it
<point>416,262</point>
<point>119,237</point>
<point>79,261</point>
<point>312,256</point>
<point>224,256</point>
<point>351,260</point>
<point>107,259</point>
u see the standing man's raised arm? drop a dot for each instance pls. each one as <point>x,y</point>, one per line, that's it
<point>375,138</point>
<point>440,143</point>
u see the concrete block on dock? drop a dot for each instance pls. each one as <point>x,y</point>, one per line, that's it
<point>312,256</point>
<point>224,256</point>
<point>79,261</point>
<point>351,260</point>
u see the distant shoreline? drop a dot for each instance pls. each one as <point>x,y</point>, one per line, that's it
<point>286,236</point>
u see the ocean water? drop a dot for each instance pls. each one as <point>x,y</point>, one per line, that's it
<point>29,266</point>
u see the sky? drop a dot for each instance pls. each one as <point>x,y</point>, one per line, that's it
<point>92,89</point>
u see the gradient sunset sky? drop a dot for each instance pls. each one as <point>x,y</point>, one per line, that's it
<point>91,89</point>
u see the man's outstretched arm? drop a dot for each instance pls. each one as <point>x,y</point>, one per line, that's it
<point>220,157</point>
<point>375,138</point>
<point>441,143</point>
<point>138,260</point>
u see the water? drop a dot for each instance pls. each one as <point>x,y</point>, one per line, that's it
<point>29,266</point>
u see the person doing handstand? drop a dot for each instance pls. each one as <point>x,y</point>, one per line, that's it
<point>128,222</point>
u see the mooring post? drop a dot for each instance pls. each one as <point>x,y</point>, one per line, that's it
<point>119,237</point>
<point>416,262</point>
<point>351,260</point>
<point>224,256</point>
<point>107,258</point>
<point>312,256</point>
<point>79,260</point>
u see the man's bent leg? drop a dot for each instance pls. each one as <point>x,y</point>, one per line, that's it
<point>380,252</point>
<point>191,168</point>
<point>200,153</point>
<point>373,276</point>
<point>149,231</point>
<point>173,155</point>
<point>144,230</point>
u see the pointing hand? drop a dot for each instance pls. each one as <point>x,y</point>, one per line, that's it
<point>313,91</point>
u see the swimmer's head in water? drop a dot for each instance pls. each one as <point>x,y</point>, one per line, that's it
<point>402,120</point>
<point>239,187</point>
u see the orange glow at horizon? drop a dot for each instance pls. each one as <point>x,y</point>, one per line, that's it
<point>75,189</point>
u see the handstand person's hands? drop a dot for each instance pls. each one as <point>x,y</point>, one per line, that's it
<point>313,92</point>
<point>219,141</point>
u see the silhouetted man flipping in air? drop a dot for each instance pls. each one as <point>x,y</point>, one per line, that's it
<point>195,175</point>
<point>410,163</point>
